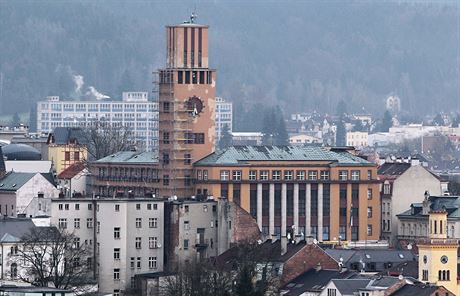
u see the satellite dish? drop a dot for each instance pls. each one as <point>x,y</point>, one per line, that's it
<point>341,259</point>
<point>289,236</point>
<point>315,241</point>
<point>259,241</point>
<point>409,246</point>
<point>159,245</point>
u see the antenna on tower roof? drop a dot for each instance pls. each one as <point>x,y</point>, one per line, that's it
<point>193,16</point>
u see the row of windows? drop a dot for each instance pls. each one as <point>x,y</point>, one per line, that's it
<point>153,264</point>
<point>62,223</point>
<point>66,206</point>
<point>288,175</point>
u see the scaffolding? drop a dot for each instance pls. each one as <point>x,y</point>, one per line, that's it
<point>175,151</point>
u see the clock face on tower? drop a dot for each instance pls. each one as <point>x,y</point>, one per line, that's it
<point>444,259</point>
<point>194,105</point>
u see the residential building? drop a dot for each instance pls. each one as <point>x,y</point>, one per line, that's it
<point>413,223</point>
<point>357,139</point>
<point>12,231</point>
<point>204,228</point>
<point>73,181</point>
<point>17,190</point>
<point>247,138</point>
<point>402,185</point>
<point>66,146</point>
<point>224,116</point>
<point>187,106</point>
<point>34,291</point>
<point>303,139</point>
<point>126,233</point>
<point>329,194</point>
<point>126,173</point>
<point>134,112</point>
<point>438,254</point>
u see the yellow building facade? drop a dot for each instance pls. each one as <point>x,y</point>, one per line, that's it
<point>438,254</point>
<point>64,156</point>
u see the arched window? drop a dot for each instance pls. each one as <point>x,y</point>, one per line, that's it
<point>14,270</point>
<point>440,275</point>
<point>444,276</point>
<point>440,226</point>
<point>448,275</point>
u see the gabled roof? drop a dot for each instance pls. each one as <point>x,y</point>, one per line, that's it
<point>393,169</point>
<point>13,181</point>
<point>66,135</point>
<point>147,157</point>
<point>72,170</point>
<point>449,203</point>
<point>313,281</point>
<point>243,154</point>
<point>350,286</point>
<point>416,290</point>
<point>12,229</point>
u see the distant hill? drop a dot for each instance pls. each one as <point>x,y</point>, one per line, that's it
<point>302,55</point>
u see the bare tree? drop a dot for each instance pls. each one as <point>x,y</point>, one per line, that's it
<point>51,256</point>
<point>103,138</point>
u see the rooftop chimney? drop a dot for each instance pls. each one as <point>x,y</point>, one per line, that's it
<point>2,164</point>
<point>284,244</point>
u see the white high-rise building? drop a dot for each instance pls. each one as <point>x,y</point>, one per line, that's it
<point>126,234</point>
<point>134,112</point>
<point>224,115</point>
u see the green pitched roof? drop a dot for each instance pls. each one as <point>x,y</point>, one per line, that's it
<point>14,180</point>
<point>130,157</point>
<point>242,154</point>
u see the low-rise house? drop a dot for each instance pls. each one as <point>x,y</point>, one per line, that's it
<point>33,291</point>
<point>73,181</point>
<point>402,185</point>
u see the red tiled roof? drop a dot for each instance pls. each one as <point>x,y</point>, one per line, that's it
<point>72,171</point>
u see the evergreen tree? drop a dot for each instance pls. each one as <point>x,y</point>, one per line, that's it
<point>341,108</point>
<point>341,133</point>
<point>281,135</point>
<point>225,138</point>
<point>438,120</point>
<point>387,122</point>
<point>269,127</point>
<point>456,121</point>
<point>33,119</point>
<point>15,120</point>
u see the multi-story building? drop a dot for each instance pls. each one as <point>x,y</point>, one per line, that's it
<point>357,139</point>
<point>126,235</point>
<point>329,194</point>
<point>125,173</point>
<point>187,106</point>
<point>198,228</point>
<point>224,116</point>
<point>402,185</point>
<point>66,146</point>
<point>135,112</point>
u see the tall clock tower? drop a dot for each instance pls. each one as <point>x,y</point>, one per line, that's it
<point>187,107</point>
<point>438,254</point>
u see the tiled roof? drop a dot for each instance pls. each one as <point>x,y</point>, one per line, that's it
<point>13,181</point>
<point>242,154</point>
<point>393,169</point>
<point>130,157</point>
<point>313,280</point>
<point>72,170</point>
<point>350,286</point>
<point>416,290</point>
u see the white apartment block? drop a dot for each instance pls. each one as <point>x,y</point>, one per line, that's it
<point>357,139</point>
<point>134,112</point>
<point>126,234</point>
<point>224,115</point>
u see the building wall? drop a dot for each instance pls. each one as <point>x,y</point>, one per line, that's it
<point>268,222</point>
<point>224,116</point>
<point>8,203</point>
<point>410,188</point>
<point>186,76</point>
<point>101,235</point>
<point>57,154</point>
<point>357,139</point>
<point>37,184</point>
<point>141,117</point>
<point>75,185</point>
